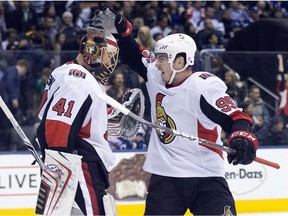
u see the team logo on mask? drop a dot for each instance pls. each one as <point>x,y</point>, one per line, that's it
<point>164,120</point>
<point>77,73</point>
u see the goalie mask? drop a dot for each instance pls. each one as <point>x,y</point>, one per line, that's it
<point>100,51</point>
<point>173,45</point>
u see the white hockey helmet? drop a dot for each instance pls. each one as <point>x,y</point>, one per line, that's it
<point>174,44</point>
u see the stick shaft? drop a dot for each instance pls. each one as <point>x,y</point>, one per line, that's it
<point>21,133</point>
<point>201,141</point>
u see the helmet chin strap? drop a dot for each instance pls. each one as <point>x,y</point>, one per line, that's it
<point>172,77</point>
<point>174,73</point>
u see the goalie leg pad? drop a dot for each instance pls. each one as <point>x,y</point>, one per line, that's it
<point>58,183</point>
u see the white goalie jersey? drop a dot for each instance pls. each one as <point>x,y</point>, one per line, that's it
<point>73,119</point>
<point>198,106</point>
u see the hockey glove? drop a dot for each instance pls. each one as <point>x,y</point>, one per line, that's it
<point>245,144</point>
<point>112,22</point>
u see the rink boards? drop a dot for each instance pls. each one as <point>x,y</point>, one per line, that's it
<point>256,188</point>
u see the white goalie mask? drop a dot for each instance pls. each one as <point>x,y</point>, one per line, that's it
<point>174,44</point>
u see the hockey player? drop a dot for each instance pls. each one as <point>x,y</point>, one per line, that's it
<point>74,120</point>
<point>185,175</point>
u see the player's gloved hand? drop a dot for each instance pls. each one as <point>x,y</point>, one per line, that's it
<point>245,144</point>
<point>112,22</point>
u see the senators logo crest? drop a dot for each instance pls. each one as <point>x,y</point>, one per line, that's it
<point>77,73</point>
<point>164,120</point>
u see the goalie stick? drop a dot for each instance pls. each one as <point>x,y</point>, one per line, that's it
<point>201,141</point>
<point>21,133</point>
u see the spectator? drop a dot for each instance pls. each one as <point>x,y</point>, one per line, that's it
<point>39,87</point>
<point>217,25</point>
<point>279,5</point>
<point>4,17</point>
<point>162,26</point>
<point>212,42</point>
<point>24,18</point>
<point>138,141</point>
<point>157,36</point>
<point>230,26</point>
<point>40,40</point>
<point>217,67</point>
<point>149,15</point>
<point>281,90</point>
<point>4,123</point>
<point>248,108</point>
<point>33,53</point>
<point>127,9</point>
<point>278,13</point>
<point>260,111</point>
<point>138,22</point>
<point>12,84</point>
<point>71,44</point>
<point>264,9</point>
<point>51,12</point>
<point>195,12</point>
<point>238,12</point>
<point>49,28</point>
<point>202,35</point>
<point>231,80</point>
<point>116,86</point>
<point>145,39</point>
<point>253,14</point>
<point>190,30</point>
<point>120,143</point>
<point>218,9</point>
<point>60,41</point>
<point>39,6</point>
<point>68,27</point>
<point>273,135</point>
<point>174,12</point>
<point>11,40</point>
<point>78,21</point>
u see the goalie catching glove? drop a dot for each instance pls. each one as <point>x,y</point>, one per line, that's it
<point>245,144</point>
<point>125,126</point>
<point>112,22</point>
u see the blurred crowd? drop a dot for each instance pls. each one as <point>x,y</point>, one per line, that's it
<point>38,36</point>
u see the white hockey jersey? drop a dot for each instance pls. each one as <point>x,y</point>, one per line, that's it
<point>72,116</point>
<point>197,106</point>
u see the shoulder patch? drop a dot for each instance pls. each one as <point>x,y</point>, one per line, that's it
<point>77,73</point>
<point>206,75</point>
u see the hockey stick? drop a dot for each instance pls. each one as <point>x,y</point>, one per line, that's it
<point>21,133</point>
<point>201,141</point>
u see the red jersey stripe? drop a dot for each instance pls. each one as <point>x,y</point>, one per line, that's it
<point>90,187</point>
<point>241,115</point>
<point>210,135</point>
<point>85,131</point>
<point>56,133</point>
